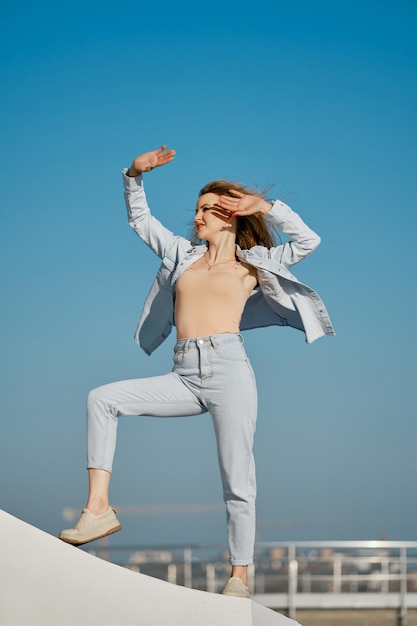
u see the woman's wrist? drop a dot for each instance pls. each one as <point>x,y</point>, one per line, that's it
<point>132,172</point>
<point>267,206</point>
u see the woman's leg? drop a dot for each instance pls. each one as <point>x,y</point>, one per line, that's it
<point>98,491</point>
<point>240,571</point>
<point>231,399</point>
<point>159,396</point>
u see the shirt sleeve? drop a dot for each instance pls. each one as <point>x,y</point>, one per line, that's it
<point>302,239</point>
<point>159,238</point>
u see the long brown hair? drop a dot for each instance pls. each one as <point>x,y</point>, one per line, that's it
<point>252,230</point>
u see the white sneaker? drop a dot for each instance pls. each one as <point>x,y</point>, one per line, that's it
<point>235,587</point>
<point>90,527</point>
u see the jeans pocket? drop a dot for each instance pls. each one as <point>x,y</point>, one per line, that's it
<point>178,357</point>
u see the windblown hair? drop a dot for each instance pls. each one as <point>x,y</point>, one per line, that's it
<point>252,230</point>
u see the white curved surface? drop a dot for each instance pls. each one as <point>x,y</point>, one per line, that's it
<point>45,582</point>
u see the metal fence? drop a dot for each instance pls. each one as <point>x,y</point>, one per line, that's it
<point>291,575</point>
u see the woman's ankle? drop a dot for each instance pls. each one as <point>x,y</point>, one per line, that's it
<point>240,571</point>
<point>98,493</point>
<point>96,509</point>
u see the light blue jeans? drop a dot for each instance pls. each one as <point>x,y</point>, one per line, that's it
<point>210,374</point>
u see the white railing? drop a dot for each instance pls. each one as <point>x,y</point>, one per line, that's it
<point>292,575</point>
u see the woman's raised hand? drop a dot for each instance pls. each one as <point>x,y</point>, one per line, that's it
<point>149,160</point>
<point>242,204</point>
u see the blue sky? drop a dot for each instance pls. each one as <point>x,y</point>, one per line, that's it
<point>317,99</point>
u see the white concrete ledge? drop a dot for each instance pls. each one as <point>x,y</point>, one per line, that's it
<point>45,582</point>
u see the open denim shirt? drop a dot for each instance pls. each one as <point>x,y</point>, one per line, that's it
<point>279,299</point>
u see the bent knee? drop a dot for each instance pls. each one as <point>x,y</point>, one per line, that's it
<point>99,396</point>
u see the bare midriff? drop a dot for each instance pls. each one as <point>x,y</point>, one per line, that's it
<point>210,301</point>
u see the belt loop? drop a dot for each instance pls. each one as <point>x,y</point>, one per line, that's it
<point>213,343</point>
<point>242,339</point>
<point>186,346</point>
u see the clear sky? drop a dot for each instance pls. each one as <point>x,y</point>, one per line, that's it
<point>315,98</point>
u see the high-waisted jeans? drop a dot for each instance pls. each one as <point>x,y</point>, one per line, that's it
<point>210,374</point>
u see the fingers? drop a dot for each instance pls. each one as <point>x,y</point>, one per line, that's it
<point>227,202</point>
<point>163,157</point>
<point>241,204</point>
<point>160,150</point>
<point>166,156</point>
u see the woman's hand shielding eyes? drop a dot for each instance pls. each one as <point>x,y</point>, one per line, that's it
<point>242,204</point>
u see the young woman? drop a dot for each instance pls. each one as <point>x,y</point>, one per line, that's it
<point>235,279</point>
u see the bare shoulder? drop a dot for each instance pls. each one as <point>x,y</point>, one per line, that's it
<point>249,269</point>
<point>250,277</point>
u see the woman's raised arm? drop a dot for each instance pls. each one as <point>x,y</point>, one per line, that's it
<point>149,229</point>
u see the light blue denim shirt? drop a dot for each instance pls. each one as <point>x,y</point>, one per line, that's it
<point>279,298</point>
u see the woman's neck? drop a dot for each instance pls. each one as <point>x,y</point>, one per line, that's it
<point>221,249</point>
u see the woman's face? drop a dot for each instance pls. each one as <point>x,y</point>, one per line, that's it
<point>210,219</point>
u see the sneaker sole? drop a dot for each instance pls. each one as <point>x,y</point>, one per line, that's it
<point>74,542</point>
